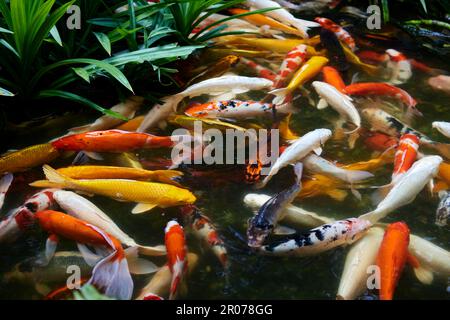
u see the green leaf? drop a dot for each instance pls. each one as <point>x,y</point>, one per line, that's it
<point>6,93</point>
<point>424,6</point>
<point>104,41</point>
<point>9,47</point>
<point>5,30</point>
<point>83,74</point>
<point>80,99</point>
<point>55,34</point>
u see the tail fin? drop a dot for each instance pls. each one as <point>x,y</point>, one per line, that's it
<point>423,275</point>
<point>112,275</point>
<point>280,95</point>
<point>138,265</point>
<point>177,276</point>
<point>5,183</point>
<point>152,251</point>
<point>337,194</point>
<point>298,169</point>
<point>159,113</point>
<point>54,176</point>
<point>167,176</point>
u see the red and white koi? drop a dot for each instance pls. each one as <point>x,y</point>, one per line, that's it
<point>293,60</point>
<point>5,183</point>
<point>340,32</point>
<point>282,15</point>
<point>260,70</point>
<point>399,66</point>
<point>320,239</point>
<point>111,273</point>
<point>176,255</point>
<point>405,155</point>
<point>205,231</point>
<point>22,218</point>
<point>338,101</point>
<point>300,148</point>
<point>234,109</point>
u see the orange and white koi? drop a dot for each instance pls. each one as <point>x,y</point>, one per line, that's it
<point>290,64</point>
<point>176,254</point>
<point>111,141</point>
<point>332,77</point>
<point>205,231</point>
<point>22,218</point>
<point>260,70</point>
<point>111,273</point>
<point>5,183</point>
<point>340,32</point>
<point>233,109</point>
<point>405,155</point>
<point>383,89</point>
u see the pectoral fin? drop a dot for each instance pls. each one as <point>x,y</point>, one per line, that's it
<point>318,151</point>
<point>423,275</point>
<point>283,230</point>
<point>322,104</point>
<point>143,207</point>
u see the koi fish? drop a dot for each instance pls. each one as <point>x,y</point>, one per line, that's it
<point>5,183</point>
<point>159,285</point>
<point>127,109</point>
<point>322,185</point>
<point>291,215</point>
<point>217,69</point>
<point>282,15</point>
<point>354,59</point>
<point>260,71</point>
<point>320,239</point>
<point>443,210</point>
<point>338,101</point>
<point>111,172</point>
<point>392,257</point>
<point>81,208</point>
<point>31,272</point>
<point>176,255</point>
<point>312,141</point>
<point>290,64</point>
<point>405,190</point>
<point>442,127</point>
<point>400,67</point>
<point>111,273</point>
<point>213,86</point>
<point>335,52</point>
<point>234,109</point>
<point>205,231</point>
<point>340,32</point>
<point>405,155</point>
<point>360,257</point>
<point>285,131</point>
<point>332,77</point>
<point>266,220</point>
<point>319,165</point>
<point>27,158</point>
<point>111,141</point>
<point>388,124</point>
<point>147,194</point>
<point>131,125</point>
<point>262,20</point>
<point>281,46</point>
<point>308,71</point>
<point>383,89</point>
<point>22,218</point>
<point>379,141</point>
<point>432,258</point>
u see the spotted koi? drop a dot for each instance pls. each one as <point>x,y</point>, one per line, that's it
<point>340,32</point>
<point>260,70</point>
<point>290,64</point>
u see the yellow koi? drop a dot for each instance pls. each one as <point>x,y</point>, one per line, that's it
<point>322,185</point>
<point>147,194</point>
<point>309,70</point>
<point>111,172</point>
<point>276,45</point>
<point>354,59</point>
<point>132,124</point>
<point>285,131</point>
<point>27,158</point>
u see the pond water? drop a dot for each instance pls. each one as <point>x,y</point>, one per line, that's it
<point>252,276</point>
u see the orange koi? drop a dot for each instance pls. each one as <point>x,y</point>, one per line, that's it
<point>405,155</point>
<point>111,273</point>
<point>332,77</point>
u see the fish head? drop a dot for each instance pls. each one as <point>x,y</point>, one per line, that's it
<point>257,232</point>
<point>357,228</point>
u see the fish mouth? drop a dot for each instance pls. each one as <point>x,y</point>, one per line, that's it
<point>256,238</point>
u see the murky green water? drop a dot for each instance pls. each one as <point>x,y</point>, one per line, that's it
<point>252,276</point>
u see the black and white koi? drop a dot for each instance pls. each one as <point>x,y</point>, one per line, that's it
<point>320,239</point>
<point>264,222</point>
<point>443,210</point>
